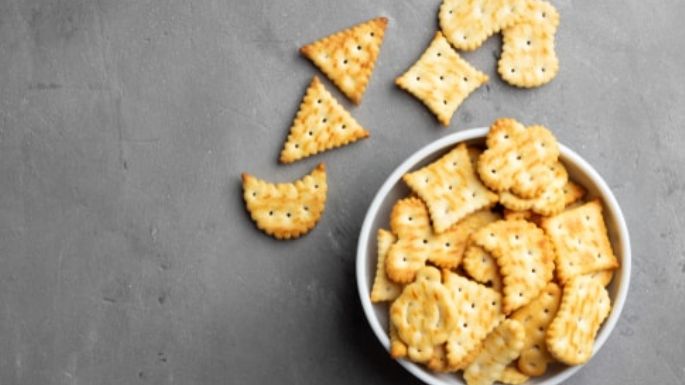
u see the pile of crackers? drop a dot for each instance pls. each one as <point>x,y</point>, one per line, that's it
<point>495,265</point>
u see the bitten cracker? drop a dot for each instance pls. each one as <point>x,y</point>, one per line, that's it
<point>423,314</point>
<point>581,242</point>
<point>321,124</point>
<point>524,257</point>
<point>384,289</point>
<point>477,312</point>
<point>551,201</point>
<point>286,210</point>
<point>584,306</point>
<point>468,23</point>
<point>450,188</point>
<point>528,56</point>
<point>535,318</point>
<point>441,79</point>
<point>349,56</point>
<point>512,376</point>
<point>500,348</point>
<point>481,266</point>
<point>518,158</point>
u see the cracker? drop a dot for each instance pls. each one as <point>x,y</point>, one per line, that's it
<point>482,267</point>
<point>384,289</point>
<point>603,276</point>
<point>321,124</point>
<point>441,79</point>
<point>349,56</point>
<point>584,306</point>
<point>573,192</point>
<point>286,210</point>
<point>550,202</point>
<point>417,242</point>
<point>527,215</point>
<point>397,348</point>
<point>450,188</point>
<point>477,312</point>
<point>467,24</point>
<point>535,318</point>
<point>580,240</point>
<point>500,348</point>
<point>524,257</point>
<point>423,314</point>
<point>518,158</point>
<point>512,376</point>
<point>528,57</point>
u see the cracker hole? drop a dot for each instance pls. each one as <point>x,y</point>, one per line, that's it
<point>544,14</point>
<point>410,219</point>
<point>297,145</point>
<point>513,70</point>
<point>316,186</point>
<point>425,241</point>
<point>444,102</point>
<point>465,37</point>
<point>543,70</point>
<point>546,310</point>
<point>372,34</point>
<point>318,101</point>
<point>447,244</point>
<point>521,294</point>
<point>466,325</point>
<point>528,42</point>
<point>451,11</point>
<point>442,77</point>
<point>516,237</point>
<point>287,215</point>
<point>540,329</point>
<point>473,194</point>
<point>344,126</point>
<point>473,305</point>
<point>359,48</point>
<point>506,136</point>
<point>466,79</point>
<point>484,260</point>
<point>518,157</point>
<point>493,171</point>
<point>454,164</point>
<point>324,120</point>
<point>532,271</point>
<point>536,347</point>
<point>426,180</point>
<point>459,289</point>
<point>311,133</point>
<point>599,256</point>
<point>449,187</point>
<point>494,303</point>
<point>404,259</point>
<point>418,78</point>
<point>271,213</point>
<point>254,194</point>
<point>306,208</point>
<point>439,54</point>
<point>345,61</point>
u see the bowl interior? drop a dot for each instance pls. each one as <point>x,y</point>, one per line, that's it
<point>393,189</point>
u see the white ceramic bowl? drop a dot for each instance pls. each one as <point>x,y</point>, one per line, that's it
<point>393,189</point>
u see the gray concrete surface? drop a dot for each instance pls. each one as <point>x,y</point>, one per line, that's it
<point>125,253</point>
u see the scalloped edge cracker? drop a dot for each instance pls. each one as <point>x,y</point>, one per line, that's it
<point>348,57</point>
<point>585,304</point>
<point>423,314</point>
<point>500,348</point>
<point>477,312</point>
<point>383,288</point>
<point>467,24</point>
<point>524,257</point>
<point>518,158</point>
<point>528,56</point>
<point>441,79</point>
<point>535,318</point>
<point>321,124</point>
<point>482,267</point>
<point>397,348</point>
<point>450,188</point>
<point>580,240</point>
<point>286,210</point>
<point>551,201</point>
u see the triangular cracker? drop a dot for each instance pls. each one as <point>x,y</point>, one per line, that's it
<point>417,242</point>
<point>584,305</point>
<point>441,79</point>
<point>286,210</point>
<point>500,348</point>
<point>321,124</point>
<point>384,289</point>
<point>450,188</point>
<point>550,202</point>
<point>528,56</point>
<point>524,256</point>
<point>535,318</point>
<point>580,240</point>
<point>468,23</point>
<point>348,57</point>
<point>477,312</point>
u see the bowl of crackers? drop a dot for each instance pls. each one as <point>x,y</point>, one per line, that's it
<point>493,255</point>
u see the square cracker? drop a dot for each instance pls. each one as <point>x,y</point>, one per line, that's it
<point>580,240</point>
<point>441,79</point>
<point>349,56</point>
<point>450,188</point>
<point>383,289</point>
<point>468,23</point>
<point>321,124</point>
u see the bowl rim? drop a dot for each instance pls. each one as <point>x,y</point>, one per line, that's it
<point>441,144</point>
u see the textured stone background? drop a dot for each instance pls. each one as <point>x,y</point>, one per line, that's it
<point>126,255</point>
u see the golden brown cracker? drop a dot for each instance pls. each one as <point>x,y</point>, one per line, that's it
<point>450,188</point>
<point>286,210</point>
<point>573,192</point>
<point>518,158</point>
<point>500,348</point>
<point>482,267</point>
<point>321,124</point>
<point>349,56</point>
<point>441,79</point>
<point>397,348</point>
<point>551,201</point>
<point>603,276</point>
<point>535,318</point>
<point>512,376</point>
<point>580,240</point>
<point>528,56</point>
<point>584,306</point>
<point>524,257</point>
<point>423,314</point>
<point>477,312</point>
<point>383,289</point>
<point>468,23</point>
